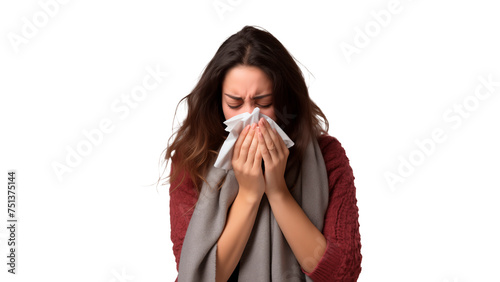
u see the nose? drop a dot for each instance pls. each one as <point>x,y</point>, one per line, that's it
<point>248,108</point>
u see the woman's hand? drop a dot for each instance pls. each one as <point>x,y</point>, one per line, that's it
<point>246,163</point>
<point>275,155</point>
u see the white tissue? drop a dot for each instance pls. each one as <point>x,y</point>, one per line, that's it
<point>234,126</point>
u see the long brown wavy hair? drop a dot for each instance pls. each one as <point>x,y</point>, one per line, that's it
<point>197,141</point>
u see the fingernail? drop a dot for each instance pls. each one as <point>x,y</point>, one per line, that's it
<point>254,125</point>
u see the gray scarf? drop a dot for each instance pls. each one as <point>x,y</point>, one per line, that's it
<point>267,255</point>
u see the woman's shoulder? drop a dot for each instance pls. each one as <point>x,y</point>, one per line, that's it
<point>181,180</point>
<point>330,146</point>
<point>336,160</point>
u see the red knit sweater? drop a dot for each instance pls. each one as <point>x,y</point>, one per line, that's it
<point>342,258</point>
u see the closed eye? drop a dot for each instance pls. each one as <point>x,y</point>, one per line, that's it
<point>260,106</point>
<point>265,106</point>
<point>234,107</point>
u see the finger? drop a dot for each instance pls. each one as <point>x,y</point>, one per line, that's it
<point>253,149</point>
<point>266,155</point>
<point>281,141</point>
<point>274,136</point>
<point>239,141</point>
<point>258,155</point>
<point>266,134</point>
<point>246,143</point>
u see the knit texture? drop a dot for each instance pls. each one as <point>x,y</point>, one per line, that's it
<point>342,258</point>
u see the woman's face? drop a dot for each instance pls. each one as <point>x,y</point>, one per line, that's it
<point>243,89</point>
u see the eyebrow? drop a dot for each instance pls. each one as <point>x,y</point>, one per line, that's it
<point>254,98</point>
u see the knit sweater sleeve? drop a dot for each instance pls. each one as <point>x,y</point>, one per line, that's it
<point>342,258</point>
<point>183,199</point>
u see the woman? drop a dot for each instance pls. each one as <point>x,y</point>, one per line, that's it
<point>280,214</point>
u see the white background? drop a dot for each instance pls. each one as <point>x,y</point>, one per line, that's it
<point>106,220</point>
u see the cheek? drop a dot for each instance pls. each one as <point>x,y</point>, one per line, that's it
<point>228,113</point>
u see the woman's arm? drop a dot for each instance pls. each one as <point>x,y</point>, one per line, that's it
<point>234,237</point>
<point>342,258</point>
<point>241,218</point>
<point>183,197</point>
<point>305,240</point>
<point>333,254</point>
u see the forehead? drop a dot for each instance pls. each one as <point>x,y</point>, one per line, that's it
<point>246,81</point>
